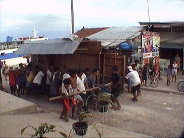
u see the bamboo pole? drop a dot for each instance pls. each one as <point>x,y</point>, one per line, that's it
<point>76,93</point>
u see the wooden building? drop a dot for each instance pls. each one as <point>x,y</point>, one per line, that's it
<point>78,54</point>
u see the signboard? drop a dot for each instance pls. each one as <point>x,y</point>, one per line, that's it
<point>150,44</point>
<point>147,44</point>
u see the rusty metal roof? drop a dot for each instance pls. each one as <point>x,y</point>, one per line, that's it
<point>85,32</point>
<point>46,47</point>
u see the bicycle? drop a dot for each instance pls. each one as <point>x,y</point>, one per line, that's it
<point>180,86</point>
<point>154,81</point>
<point>154,78</point>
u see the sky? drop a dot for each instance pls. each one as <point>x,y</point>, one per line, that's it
<point>52,17</point>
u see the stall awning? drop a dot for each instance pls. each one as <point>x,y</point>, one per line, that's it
<point>46,47</point>
<point>9,56</point>
<point>126,46</point>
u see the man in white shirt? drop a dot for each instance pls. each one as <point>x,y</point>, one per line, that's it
<point>38,78</point>
<point>49,78</point>
<point>135,79</point>
<point>37,81</point>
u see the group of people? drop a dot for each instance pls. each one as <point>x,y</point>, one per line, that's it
<point>53,82</point>
<point>79,81</point>
<point>17,79</point>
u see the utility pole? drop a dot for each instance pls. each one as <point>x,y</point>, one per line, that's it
<point>148,11</point>
<point>72,16</point>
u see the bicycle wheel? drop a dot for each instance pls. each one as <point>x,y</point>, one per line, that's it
<point>154,83</point>
<point>181,86</point>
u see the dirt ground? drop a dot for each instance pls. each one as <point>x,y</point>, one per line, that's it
<point>155,114</point>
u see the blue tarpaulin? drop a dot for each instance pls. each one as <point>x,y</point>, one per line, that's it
<point>126,46</point>
<point>9,56</point>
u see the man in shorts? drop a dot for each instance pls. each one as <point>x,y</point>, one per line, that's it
<point>74,81</point>
<point>115,87</point>
<point>134,77</point>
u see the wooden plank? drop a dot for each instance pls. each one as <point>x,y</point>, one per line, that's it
<point>77,93</point>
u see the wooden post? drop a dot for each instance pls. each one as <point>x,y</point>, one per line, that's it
<point>104,64</point>
<point>123,70</point>
<point>99,61</point>
<point>115,59</point>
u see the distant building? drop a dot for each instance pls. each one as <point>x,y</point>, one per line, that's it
<point>172,38</point>
<point>9,39</point>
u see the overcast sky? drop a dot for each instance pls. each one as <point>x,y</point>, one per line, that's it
<point>52,17</point>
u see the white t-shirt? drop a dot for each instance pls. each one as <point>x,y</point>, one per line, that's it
<point>66,76</point>
<point>84,78</point>
<point>174,66</point>
<point>49,76</point>
<point>134,77</point>
<point>80,84</point>
<point>38,78</point>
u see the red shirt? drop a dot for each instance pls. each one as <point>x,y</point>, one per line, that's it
<point>11,78</point>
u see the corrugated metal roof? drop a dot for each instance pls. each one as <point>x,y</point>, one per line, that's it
<point>88,31</point>
<point>162,23</point>
<point>117,34</point>
<point>46,47</point>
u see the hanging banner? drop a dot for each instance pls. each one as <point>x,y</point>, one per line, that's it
<point>150,44</point>
<point>147,44</point>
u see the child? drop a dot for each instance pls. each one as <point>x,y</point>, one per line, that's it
<point>67,89</point>
<point>174,70</point>
<point>12,84</point>
<point>169,75</point>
